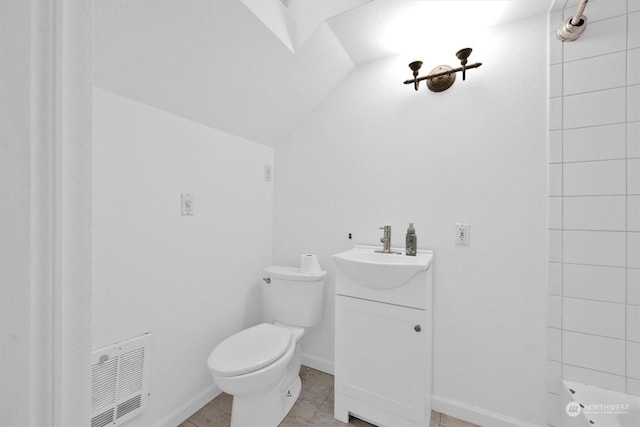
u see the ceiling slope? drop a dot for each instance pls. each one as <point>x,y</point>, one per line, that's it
<point>214,62</point>
<point>424,28</point>
<point>293,21</point>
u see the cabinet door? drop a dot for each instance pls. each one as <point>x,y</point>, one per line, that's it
<point>381,356</point>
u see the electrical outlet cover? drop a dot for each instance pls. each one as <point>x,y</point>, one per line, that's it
<point>462,233</point>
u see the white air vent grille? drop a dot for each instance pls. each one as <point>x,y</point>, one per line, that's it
<point>103,383</point>
<point>103,419</point>
<point>120,381</point>
<point>129,406</point>
<point>131,368</point>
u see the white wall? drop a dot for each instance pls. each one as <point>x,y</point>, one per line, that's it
<point>376,152</point>
<point>189,280</point>
<point>594,203</point>
<point>15,106</point>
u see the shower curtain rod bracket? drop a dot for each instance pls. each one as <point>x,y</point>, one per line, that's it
<point>573,27</point>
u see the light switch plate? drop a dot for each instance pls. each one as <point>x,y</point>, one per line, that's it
<point>187,204</point>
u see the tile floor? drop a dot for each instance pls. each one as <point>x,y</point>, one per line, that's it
<point>314,408</point>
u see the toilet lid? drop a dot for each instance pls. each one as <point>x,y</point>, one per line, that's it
<point>249,350</point>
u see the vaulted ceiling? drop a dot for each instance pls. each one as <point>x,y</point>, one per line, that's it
<point>229,66</point>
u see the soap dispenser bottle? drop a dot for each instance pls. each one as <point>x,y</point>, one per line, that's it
<point>411,241</point>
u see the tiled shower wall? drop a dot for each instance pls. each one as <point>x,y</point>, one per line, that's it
<point>594,201</point>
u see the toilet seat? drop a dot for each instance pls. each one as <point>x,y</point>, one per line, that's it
<point>250,350</point>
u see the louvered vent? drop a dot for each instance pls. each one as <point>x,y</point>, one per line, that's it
<point>103,419</point>
<point>120,381</point>
<point>129,406</point>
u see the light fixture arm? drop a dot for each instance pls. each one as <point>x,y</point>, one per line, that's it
<point>416,79</point>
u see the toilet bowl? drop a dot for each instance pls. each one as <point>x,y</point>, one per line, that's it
<point>260,365</point>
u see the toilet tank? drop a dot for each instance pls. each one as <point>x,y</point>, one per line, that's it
<point>294,297</point>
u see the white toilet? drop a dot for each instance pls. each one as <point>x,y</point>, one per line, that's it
<point>260,365</point>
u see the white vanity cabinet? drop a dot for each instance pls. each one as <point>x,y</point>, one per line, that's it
<point>383,349</point>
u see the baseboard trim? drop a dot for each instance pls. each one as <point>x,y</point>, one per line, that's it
<point>177,416</point>
<point>474,414</point>
<point>318,363</point>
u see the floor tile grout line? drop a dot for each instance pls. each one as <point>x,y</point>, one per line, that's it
<point>220,407</point>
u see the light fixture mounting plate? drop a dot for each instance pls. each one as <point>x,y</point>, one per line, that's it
<point>441,83</point>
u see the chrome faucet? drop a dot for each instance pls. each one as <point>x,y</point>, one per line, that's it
<point>386,240</point>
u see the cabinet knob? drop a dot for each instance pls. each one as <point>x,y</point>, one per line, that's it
<point>417,328</point>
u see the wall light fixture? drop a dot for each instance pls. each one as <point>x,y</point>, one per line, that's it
<point>442,77</point>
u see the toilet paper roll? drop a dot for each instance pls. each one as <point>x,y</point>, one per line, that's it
<point>309,263</point>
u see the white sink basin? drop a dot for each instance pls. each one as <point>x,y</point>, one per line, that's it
<point>380,270</point>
